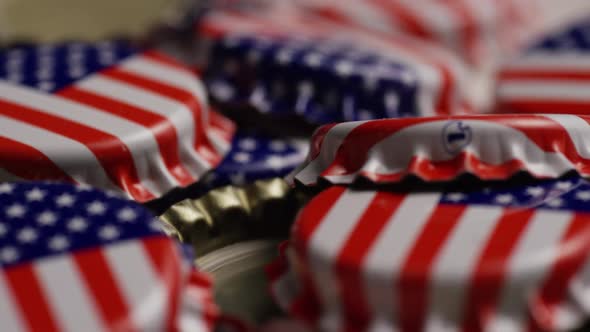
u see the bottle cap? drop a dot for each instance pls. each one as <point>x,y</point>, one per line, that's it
<point>282,62</point>
<point>489,147</point>
<point>550,77</point>
<point>478,31</point>
<point>231,214</point>
<point>255,156</point>
<point>78,259</point>
<point>107,115</point>
<point>507,258</point>
<point>234,231</point>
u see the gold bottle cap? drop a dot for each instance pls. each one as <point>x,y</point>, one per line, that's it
<point>226,215</point>
<point>241,286</point>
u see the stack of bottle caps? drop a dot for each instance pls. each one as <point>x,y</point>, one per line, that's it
<point>294,165</point>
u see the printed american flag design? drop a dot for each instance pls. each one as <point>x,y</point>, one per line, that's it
<point>551,77</point>
<point>256,156</point>
<point>107,115</point>
<point>496,259</point>
<point>77,259</point>
<point>441,77</point>
<point>321,80</point>
<point>490,147</point>
<point>478,30</point>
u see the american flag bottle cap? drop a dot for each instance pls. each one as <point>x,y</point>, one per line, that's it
<point>551,76</point>
<point>107,115</point>
<point>489,147</point>
<point>510,258</point>
<point>79,259</point>
<point>256,156</point>
<point>478,31</point>
<point>282,62</point>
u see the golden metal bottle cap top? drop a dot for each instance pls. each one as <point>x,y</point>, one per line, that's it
<point>231,214</point>
<point>240,287</point>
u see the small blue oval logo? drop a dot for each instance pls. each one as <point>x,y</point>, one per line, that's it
<point>456,135</point>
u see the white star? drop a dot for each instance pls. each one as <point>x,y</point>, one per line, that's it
<point>75,57</point>
<point>563,185</point>
<point>313,59</point>
<point>15,211</point>
<point>106,57</point>
<point>237,178</point>
<point>158,226</point>
<point>44,73</point>
<point>455,197</point>
<point>6,188</point>
<point>392,101</point>
<point>306,88</point>
<point>58,242</point>
<point>407,77</point>
<point>45,85</point>
<point>504,198</point>
<point>77,224</point>
<point>112,193</point>
<point>344,68</point>
<point>300,145</point>
<point>27,235</point>
<point>76,71</point>
<point>14,66</point>
<point>83,187</point>
<point>275,162</point>
<point>108,232</point>
<point>242,157</point>
<point>3,230</point>
<point>247,144</point>
<point>35,194</point>
<point>96,208</point>
<point>65,199</point>
<point>277,146</point>
<point>535,191</point>
<point>221,91</point>
<point>555,203</point>
<point>8,254</point>
<point>583,195</point>
<point>46,218</point>
<point>284,56</point>
<point>127,214</point>
<point>46,61</point>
